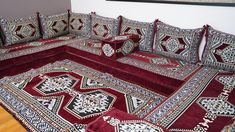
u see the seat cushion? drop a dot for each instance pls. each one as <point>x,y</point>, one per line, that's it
<point>220,50</point>
<point>144,29</point>
<point>40,42</point>
<point>177,43</point>
<point>103,27</point>
<point>20,30</point>
<point>54,25</point>
<point>80,24</point>
<point>160,65</point>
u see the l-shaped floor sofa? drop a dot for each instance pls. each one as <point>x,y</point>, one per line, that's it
<point>197,93</point>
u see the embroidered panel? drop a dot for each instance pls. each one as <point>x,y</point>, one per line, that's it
<point>103,27</point>
<point>220,50</point>
<point>54,25</point>
<point>144,29</point>
<point>80,24</point>
<point>50,98</point>
<point>20,30</point>
<point>177,43</point>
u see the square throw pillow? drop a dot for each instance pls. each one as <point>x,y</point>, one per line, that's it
<point>219,51</point>
<point>177,43</point>
<point>144,29</point>
<point>20,30</point>
<point>80,24</point>
<point>103,27</point>
<point>54,25</point>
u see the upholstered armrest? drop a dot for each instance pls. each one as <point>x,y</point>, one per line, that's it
<point>119,46</point>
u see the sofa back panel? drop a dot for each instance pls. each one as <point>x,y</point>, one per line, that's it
<point>177,43</point>
<point>144,29</point>
<point>54,25</point>
<point>80,24</point>
<point>20,30</point>
<point>103,27</point>
<point>220,50</point>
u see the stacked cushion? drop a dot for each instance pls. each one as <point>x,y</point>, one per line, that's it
<point>20,30</point>
<point>80,24</point>
<point>103,27</point>
<point>144,29</point>
<point>54,25</point>
<point>220,50</point>
<point>177,43</point>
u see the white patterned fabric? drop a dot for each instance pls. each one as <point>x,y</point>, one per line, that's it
<point>20,30</point>
<point>54,25</point>
<point>80,24</point>
<point>177,43</point>
<point>144,29</point>
<point>103,27</point>
<point>220,50</point>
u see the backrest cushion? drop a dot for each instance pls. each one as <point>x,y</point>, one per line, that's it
<point>54,25</point>
<point>219,51</point>
<point>103,27</point>
<point>144,29</point>
<point>80,24</point>
<point>177,43</point>
<point>20,30</point>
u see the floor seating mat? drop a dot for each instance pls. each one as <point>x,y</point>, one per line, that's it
<point>66,96</point>
<point>204,103</point>
<point>40,42</point>
<point>161,65</point>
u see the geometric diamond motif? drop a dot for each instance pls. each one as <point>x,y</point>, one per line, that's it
<point>91,103</point>
<point>59,26</point>
<point>227,54</point>
<point>217,106</point>
<point>51,85</point>
<point>77,24</point>
<point>100,30</point>
<point>172,45</point>
<point>24,31</point>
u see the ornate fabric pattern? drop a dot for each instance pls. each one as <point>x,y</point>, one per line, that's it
<point>80,24</point>
<point>20,30</point>
<point>103,27</point>
<point>160,65</point>
<point>178,43</point>
<point>220,50</point>
<point>208,95</point>
<point>55,25</point>
<point>53,101</point>
<point>144,29</point>
<point>108,50</point>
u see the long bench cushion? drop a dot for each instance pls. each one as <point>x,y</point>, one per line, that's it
<point>144,29</point>
<point>20,30</point>
<point>160,65</point>
<point>54,25</point>
<point>80,24</point>
<point>177,43</point>
<point>103,27</point>
<point>220,50</point>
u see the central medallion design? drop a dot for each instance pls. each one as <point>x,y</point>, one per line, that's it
<point>91,103</point>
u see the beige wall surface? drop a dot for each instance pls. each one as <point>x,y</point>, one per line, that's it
<point>23,8</point>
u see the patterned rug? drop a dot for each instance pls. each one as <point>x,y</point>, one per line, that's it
<point>66,96</point>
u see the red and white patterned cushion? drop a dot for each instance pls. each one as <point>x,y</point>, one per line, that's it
<point>220,50</point>
<point>103,27</point>
<point>54,25</point>
<point>144,29</point>
<point>177,43</point>
<point>80,24</point>
<point>20,30</point>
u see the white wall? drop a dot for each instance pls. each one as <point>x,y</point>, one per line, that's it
<point>184,16</point>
